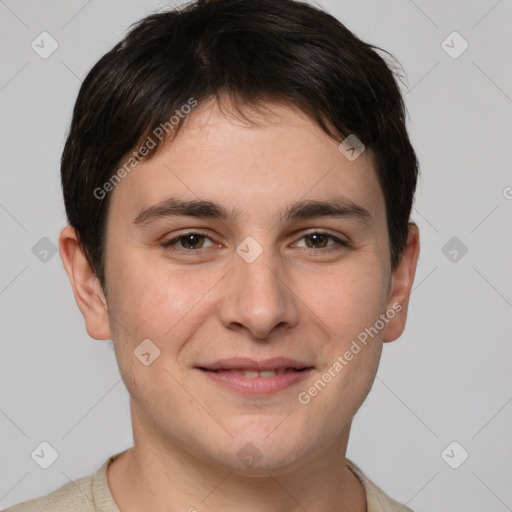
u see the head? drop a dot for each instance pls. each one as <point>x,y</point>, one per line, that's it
<point>213,211</point>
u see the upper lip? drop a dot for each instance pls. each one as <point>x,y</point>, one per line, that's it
<point>245,363</point>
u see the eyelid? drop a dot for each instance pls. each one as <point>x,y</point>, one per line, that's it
<point>193,231</point>
<point>338,237</point>
<point>176,237</point>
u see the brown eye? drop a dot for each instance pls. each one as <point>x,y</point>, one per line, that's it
<point>316,240</point>
<point>192,241</point>
<point>321,242</point>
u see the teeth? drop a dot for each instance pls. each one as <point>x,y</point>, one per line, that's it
<point>252,374</point>
<point>268,373</point>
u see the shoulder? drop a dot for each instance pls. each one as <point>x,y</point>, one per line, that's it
<point>377,500</point>
<point>75,495</point>
<point>87,494</point>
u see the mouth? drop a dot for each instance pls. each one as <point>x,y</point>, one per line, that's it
<point>250,377</point>
<point>253,374</point>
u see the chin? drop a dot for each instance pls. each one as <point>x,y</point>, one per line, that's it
<point>264,451</point>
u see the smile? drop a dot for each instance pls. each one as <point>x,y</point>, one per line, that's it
<point>250,377</point>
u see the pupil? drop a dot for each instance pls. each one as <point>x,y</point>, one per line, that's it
<point>317,240</point>
<point>192,240</point>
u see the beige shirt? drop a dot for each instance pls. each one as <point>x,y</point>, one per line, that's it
<point>92,494</point>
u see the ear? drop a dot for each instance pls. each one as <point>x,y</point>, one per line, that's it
<point>402,280</point>
<point>87,290</point>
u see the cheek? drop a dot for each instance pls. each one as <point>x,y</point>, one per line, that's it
<point>152,298</point>
<point>348,299</point>
<point>152,301</point>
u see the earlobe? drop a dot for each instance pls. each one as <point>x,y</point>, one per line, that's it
<point>86,287</point>
<point>401,284</point>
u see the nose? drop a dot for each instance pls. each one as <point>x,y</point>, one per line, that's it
<point>258,297</point>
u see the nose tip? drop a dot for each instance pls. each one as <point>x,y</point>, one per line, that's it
<point>256,298</point>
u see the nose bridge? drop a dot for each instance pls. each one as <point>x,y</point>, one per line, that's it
<point>256,297</point>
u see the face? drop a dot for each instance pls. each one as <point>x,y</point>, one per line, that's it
<point>254,258</point>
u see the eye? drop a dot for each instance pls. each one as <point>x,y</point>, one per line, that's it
<point>320,240</point>
<point>188,241</point>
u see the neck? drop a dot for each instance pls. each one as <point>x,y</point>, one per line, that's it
<point>162,477</point>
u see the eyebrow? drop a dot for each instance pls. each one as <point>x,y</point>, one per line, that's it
<point>342,207</point>
<point>302,210</point>
<point>176,207</point>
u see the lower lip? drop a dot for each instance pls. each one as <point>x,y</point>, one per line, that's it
<point>257,385</point>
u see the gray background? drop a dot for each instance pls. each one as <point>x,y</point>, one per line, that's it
<point>447,379</point>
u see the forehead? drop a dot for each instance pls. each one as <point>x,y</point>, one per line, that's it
<point>259,163</point>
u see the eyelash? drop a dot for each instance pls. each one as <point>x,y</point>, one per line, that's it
<point>171,245</point>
